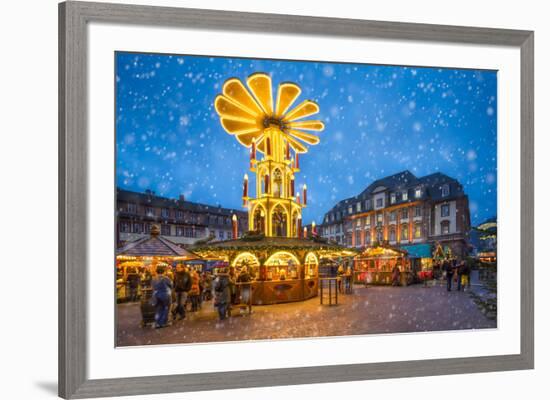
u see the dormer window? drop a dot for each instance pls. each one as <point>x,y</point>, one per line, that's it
<point>392,198</point>
<point>131,208</point>
<point>445,190</point>
<point>405,196</point>
<point>418,193</point>
<point>358,207</point>
<point>350,210</point>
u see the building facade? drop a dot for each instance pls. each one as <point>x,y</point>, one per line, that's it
<point>403,210</point>
<point>182,221</point>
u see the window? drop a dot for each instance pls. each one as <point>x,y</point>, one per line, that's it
<point>392,198</point>
<point>165,230</point>
<point>405,196</point>
<point>358,207</point>
<point>380,202</point>
<point>367,205</point>
<point>188,231</point>
<point>445,190</point>
<point>367,221</point>
<point>220,220</point>
<point>445,227</point>
<point>418,193</point>
<point>165,213</point>
<point>350,210</point>
<point>148,227</point>
<point>417,231</point>
<point>131,208</point>
<point>404,232</point>
<point>179,214</point>
<point>367,236</point>
<point>220,235</point>
<point>125,227</point>
<point>357,238</point>
<point>358,222</point>
<point>392,235</point>
<point>404,213</point>
<point>393,216</point>
<point>417,211</point>
<point>138,227</point>
<point>179,231</point>
<point>445,210</point>
<point>379,218</point>
<point>149,211</point>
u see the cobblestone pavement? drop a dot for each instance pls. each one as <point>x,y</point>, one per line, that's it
<point>376,309</point>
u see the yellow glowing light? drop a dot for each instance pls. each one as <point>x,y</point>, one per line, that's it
<point>250,113</point>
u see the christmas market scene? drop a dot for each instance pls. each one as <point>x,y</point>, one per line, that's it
<point>258,243</point>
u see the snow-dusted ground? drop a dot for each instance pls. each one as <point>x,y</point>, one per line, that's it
<point>377,309</point>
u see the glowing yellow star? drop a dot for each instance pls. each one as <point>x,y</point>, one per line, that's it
<point>248,113</point>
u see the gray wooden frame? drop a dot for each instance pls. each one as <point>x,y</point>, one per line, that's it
<point>73,172</point>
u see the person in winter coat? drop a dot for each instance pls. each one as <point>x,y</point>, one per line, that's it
<point>222,294</point>
<point>449,272</point>
<point>162,297</point>
<point>195,292</point>
<point>182,286</point>
<point>395,275</point>
<point>133,280</point>
<point>463,275</point>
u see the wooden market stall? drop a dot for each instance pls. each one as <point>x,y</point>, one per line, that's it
<point>375,265</point>
<point>281,269</point>
<point>143,256</point>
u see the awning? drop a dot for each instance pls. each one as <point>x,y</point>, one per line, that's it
<point>419,250</point>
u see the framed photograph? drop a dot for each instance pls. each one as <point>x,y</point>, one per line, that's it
<point>288,199</point>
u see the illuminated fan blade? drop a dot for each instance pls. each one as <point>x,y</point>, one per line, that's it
<point>308,125</point>
<point>225,107</point>
<point>306,137</point>
<point>297,146</point>
<point>246,138</point>
<point>234,126</point>
<point>260,86</point>
<point>304,109</point>
<point>287,93</point>
<point>235,90</point>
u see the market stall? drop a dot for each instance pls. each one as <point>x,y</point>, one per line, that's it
<point>281,269</point>
<point>420,256</point>
<point>376,265</point>
<point>138,261</point>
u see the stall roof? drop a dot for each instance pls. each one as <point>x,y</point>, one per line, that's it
<point>423,250</point>
<point>155,245</point>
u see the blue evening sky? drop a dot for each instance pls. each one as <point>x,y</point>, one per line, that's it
<point>379,120</point>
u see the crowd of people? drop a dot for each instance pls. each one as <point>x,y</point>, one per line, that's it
<point>183,289</point>
<point>457,272</point>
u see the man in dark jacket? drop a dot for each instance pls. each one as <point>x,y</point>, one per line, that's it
<point>182,285</point>
<point>449,271</point>
<point>222,293</point>
<point>162,297</point>
<point>133,280</point>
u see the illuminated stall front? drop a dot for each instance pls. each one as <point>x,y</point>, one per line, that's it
<point>281,269</point>
<point>375,265</point>
<point>144,255</point>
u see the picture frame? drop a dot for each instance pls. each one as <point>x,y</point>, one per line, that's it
<point>74,18</point>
